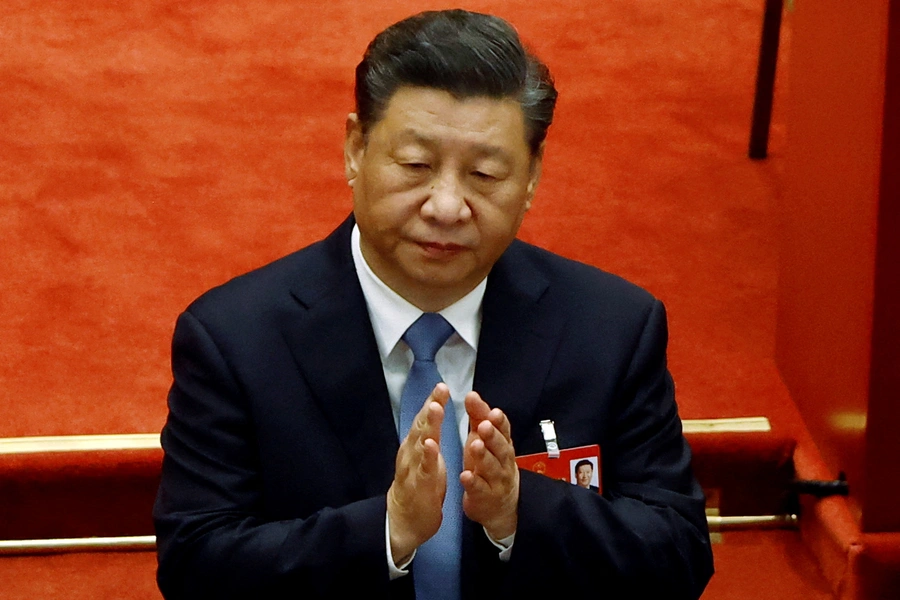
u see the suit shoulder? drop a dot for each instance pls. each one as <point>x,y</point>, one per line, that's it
<point>263,289</point>
<point>580,282</point>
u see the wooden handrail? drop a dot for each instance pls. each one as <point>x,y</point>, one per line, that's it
<point>150,441</point>
<point>147,543</point>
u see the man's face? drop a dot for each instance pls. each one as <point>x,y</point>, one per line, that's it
<point>439,190</point>
<point>583,474</point>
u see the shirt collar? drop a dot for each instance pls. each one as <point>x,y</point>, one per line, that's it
<point>391,314</point>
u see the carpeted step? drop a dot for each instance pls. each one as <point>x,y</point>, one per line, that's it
<point>74,494</point>
<point>745,473</point>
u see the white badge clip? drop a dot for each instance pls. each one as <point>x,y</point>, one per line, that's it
<point>549,432</point>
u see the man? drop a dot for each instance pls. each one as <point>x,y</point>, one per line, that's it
<point>584,473</point>
<point>296,464</point>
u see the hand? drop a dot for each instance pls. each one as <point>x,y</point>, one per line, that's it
<point>490,477</point>
<point>416,495</point>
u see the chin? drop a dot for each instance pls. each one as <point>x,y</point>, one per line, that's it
<point>441,274</point>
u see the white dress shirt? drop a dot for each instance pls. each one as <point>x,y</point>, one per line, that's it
<point>391,315</point>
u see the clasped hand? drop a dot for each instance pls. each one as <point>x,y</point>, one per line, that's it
<point>490,478</point>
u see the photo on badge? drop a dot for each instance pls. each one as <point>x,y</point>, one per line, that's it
<point>584,473</point>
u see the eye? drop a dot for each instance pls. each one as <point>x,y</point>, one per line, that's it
<point>417,166</point>
<point>484,176</point>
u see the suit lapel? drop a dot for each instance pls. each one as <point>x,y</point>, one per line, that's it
<point>518,335</point>
<point>334,347</point>
<point>515,350</point>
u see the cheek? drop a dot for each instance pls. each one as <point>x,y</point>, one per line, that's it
<point>393,210</point>
<point>377,181</point>
<point>501,217</point>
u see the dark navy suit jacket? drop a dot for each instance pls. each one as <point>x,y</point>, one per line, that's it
<point>280,442</point>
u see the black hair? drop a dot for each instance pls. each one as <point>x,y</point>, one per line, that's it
<point>464,53</point>
<point>583,462</point>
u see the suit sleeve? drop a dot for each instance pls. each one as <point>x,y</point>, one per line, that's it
<point>213,540</point>
<point>646,536</point>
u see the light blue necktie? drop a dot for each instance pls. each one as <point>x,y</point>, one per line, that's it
<point>436,571</point>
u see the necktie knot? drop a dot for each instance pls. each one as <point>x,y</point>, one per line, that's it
<point>426,336</point>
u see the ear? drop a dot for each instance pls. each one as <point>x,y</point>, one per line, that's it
<point>534,175</point>
<point>354,146</point>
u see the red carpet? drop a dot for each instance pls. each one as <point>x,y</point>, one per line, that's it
<point>90,576</point>
<point>772,565</point>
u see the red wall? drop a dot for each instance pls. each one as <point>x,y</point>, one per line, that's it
<point>833,206</point>
<point>883,434</point>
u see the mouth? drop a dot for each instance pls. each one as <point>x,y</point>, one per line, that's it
<point>441,250</point>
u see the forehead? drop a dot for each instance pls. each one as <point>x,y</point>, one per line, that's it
<point>431,116</point>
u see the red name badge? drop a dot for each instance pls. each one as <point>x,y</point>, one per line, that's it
<point>578,466</point>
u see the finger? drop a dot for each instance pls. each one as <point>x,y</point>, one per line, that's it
<point>440,394</point>
<point>498,418</point>
<point>473,484</point>
<point>476,450</point>
<point>487,466</point>
<point>481,460</point>
<point>434,417</point>
<point>433,412</point>
<point>431,457</point>
<point>477,409</point>
<point>496,443</point>
<point>468,456</point>
<point>427,423</point>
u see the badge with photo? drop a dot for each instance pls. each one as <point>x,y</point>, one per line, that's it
<point>578,466</point>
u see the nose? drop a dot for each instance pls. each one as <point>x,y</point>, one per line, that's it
<point>446,203</point>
